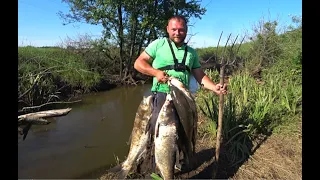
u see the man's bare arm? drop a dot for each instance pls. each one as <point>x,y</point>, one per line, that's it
<point>207,83</point>
<point>142,64</point>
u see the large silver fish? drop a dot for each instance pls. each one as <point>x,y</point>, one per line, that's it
<point>165,139</point>
<point>138,140</point>
<point>187,111</point>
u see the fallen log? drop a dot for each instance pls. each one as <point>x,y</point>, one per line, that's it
<point>37,118</point>
<point>44,114</point>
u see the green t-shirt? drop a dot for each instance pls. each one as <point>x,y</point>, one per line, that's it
<point>161,54</point>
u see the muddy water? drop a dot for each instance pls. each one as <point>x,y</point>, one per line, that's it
<point>89,138</point>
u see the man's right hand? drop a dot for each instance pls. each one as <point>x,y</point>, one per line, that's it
<point>161,76</point>
<point>142,64</point>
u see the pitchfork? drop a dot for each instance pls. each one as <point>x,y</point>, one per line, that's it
<point>223,64</point>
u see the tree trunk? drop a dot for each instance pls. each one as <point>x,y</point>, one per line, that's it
<point>133,41</point>
<point>120,35</point>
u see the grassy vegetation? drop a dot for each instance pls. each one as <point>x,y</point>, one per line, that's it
<point>258,106</point>
<point>77,66</point>
<point>49,74</point>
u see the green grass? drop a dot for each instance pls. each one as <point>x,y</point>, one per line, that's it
<point>48,72</point>
<point>254,108</point>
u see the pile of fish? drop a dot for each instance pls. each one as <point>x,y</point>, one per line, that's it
<point>174,134</point>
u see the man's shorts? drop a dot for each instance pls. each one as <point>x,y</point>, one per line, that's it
<point>158,100</point>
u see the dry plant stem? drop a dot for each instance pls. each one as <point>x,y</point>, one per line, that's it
<point>34,107</point>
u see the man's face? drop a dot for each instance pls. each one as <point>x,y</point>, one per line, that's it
<point>177,31</point>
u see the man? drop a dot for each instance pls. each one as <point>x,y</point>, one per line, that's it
<point>158,55</point>
<point>172,57</point>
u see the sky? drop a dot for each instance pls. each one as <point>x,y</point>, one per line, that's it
<point>39,25</point>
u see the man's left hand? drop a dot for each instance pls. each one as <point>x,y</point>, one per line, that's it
<point>220,89</point>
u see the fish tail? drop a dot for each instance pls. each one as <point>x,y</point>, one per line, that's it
<point>115,169</point>
<point>123,173</point>
<point>120,171</point>
<point>26,130</point>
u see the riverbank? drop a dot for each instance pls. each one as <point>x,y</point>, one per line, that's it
<point>278,156</point>
<point>53,75</point>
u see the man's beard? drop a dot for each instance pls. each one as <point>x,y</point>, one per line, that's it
<point>178,39</point>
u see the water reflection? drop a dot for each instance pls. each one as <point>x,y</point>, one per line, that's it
<point>89,137</point>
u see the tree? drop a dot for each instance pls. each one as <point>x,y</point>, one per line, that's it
<point>129,25</point>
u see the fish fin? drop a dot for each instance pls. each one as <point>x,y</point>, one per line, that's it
<point>177,162</point>
<point>141,155</point>
<point>153,161</point>
<point>194,139</point>
<point>26,130</point>
<point>157,130</point>
<point>129,140</point>
<point>147,127</point>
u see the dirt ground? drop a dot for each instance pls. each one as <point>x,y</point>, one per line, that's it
<point>278,156</point>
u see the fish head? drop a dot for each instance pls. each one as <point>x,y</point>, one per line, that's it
<point>169,97</point>
<point>167,112</point>
<point>168,103</point>
<point>146,103</point>
<point>173,81</point>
